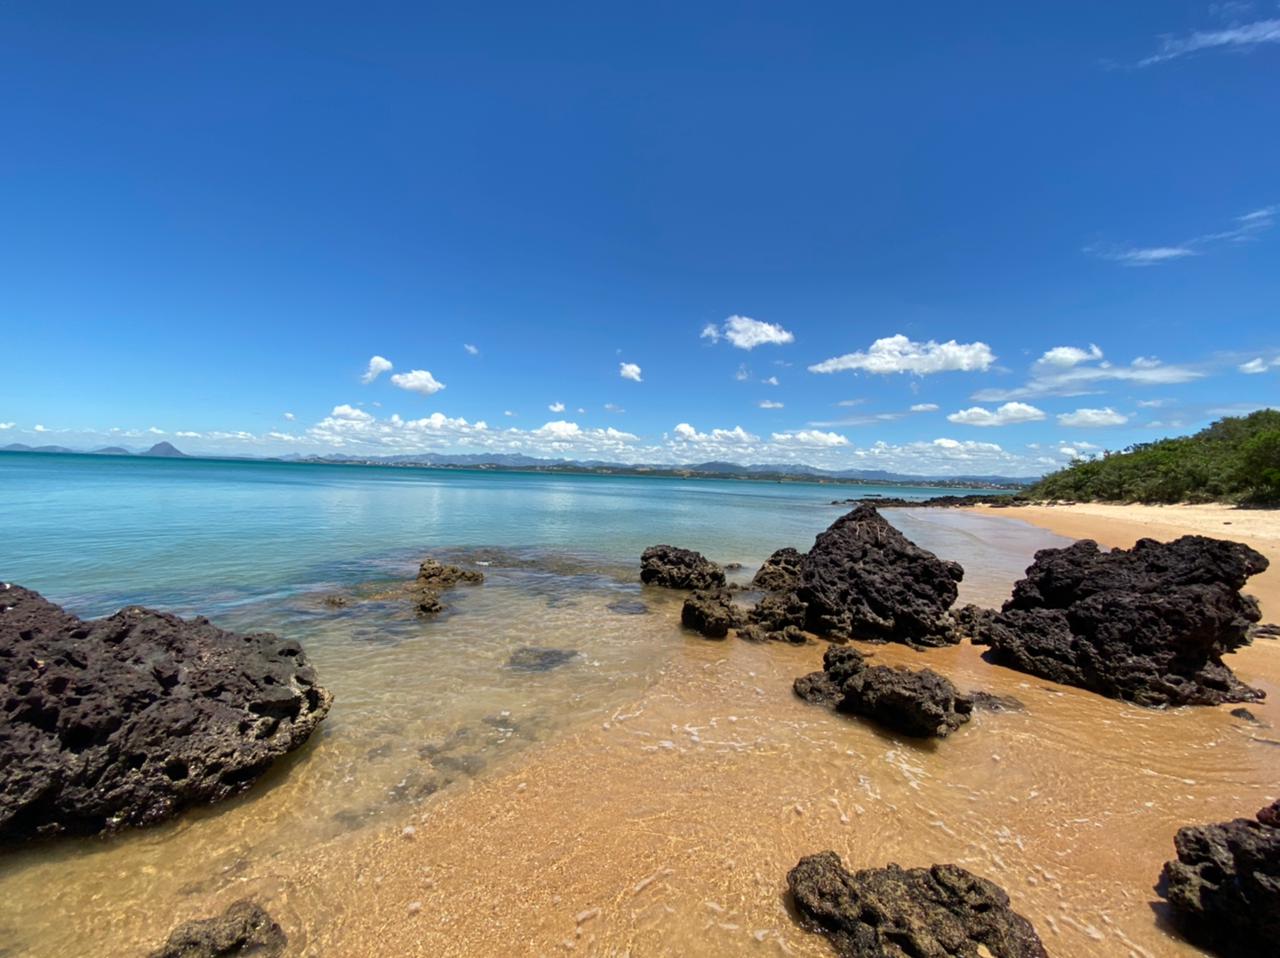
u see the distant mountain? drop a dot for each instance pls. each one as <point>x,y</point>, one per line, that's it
<point>165,450</point>
<point>112,451</point>
<point>23,447</point>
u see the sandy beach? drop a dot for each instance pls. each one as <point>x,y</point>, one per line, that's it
<point>1120,526</point>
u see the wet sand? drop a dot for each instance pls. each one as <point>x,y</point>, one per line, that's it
<point>665,823</point>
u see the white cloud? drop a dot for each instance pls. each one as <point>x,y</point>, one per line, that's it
<point>350,413</point>
<point>507,412</point>
<point>1085,377</point>
<point>40,428</point>
<point>629,371</point>
<point>613,407</point>
<point>743,373</point>
<point>925,407</point>
<point>472,350</point>
<point>7,425</point>
<point>1006,415</point>
<point>187,435</point>
<point>1064,357</point>
<point>377,366</point>
<point>1068,452</point>
<point>418,381</point>
<point>810,437</point>
<point>1152,403</point>
<point>1243,229</point>
<point>1240,36</point>
<point>684,432</point>
<point>1254,366</point>
<point>1141,255</point>
<point>771,381</point>
<point>556,407</point>
<point>290,416</point>
<point>1085,418</point>
<point>898,354</point>
<point>156,431</point>
<point>746,333</point>
<point>769,404</point>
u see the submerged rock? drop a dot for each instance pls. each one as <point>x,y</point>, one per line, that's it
<point>1149,624</point>
<point>940,911</point>
<point>434,574</point>
<point>628,607</point>
<point>245,929</point>
<point>1225,884</point>
<point>863,578</point>
<point>711,613</point>
<point>679,569</point>
<point>125,720</point>
<point>921,703</point>
<point>533,659</point>
<point>426,602</point>
<point>780,572</point>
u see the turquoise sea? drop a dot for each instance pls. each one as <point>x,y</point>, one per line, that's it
<point>99,531</point>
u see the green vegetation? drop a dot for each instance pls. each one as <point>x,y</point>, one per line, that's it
<point>1236,459</point>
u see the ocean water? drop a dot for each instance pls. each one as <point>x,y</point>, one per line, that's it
<point>644,798</point>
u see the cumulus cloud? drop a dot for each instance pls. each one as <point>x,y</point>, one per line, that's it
<point>471,350</point>
<point>7,425</point>
<point>350,413</point>
<point>771,381</point>
<point>747,333</point>
<point>1084,418</point>
<point>507,412</point>
<point>377,366</point>
<point>684,432</point>
<point>40,428</point>
<point>925,407</point>
<point>556,407</point>
<point>1064,357</point>
<point>418,381</point>
<point>810,437</point>
<point>1237,36</point>
<point>629,371</point>
<point>898,354</point>
<point>188,434</point>
<point>769,404</point>
<point>1006,415</point>
<point>290,416</point>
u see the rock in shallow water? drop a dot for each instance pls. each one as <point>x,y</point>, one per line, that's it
<point>780,572</point>
<point>865,579</point>
<point>892,912</point>
<point>711,613</point>
<point>1149,624</point>
<point>125,720</point>
<point>1225,883</point>
<point>243,930</point>
<point>678,568</point>
<point>921,703</point>
<point>532,659</point>
<point>433,574</point>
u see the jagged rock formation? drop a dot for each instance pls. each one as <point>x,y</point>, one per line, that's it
<point>711,613</point>
<point>435,577</point>
<point>1149,624</point>
<point>243,930</point>
<point>780,572</point>
<point>679,569</point>
<point>1225,883</point>
<point>921,703</point>
<point>940,911</point>
<point>865,579</point>
<point>125,720</point>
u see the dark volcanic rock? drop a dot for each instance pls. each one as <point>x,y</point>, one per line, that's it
<point>679,569</point>
<point>778,611</point>
<point>1225,884</point>
<point>894,912</point>
<point>780,572</point>
<point>530,658</point>
<point>426,602</point>
<point>244,929</point>
<point>710,612</point>
<point>919,703</point>
<point>863,578</point>
<point>125,720</point>
<point>1265,630</point>
<point>974,622</point>
<point>1149,624</point>
<point>434,574</point>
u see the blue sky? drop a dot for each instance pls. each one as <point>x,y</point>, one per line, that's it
<point>920,237</point>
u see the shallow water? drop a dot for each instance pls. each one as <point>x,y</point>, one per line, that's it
<point>645,798</point>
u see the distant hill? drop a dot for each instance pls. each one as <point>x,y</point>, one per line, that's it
<point>1237,459</point>
<point>164,450</point>
<point>112,451</point>
<point>23,447</point>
